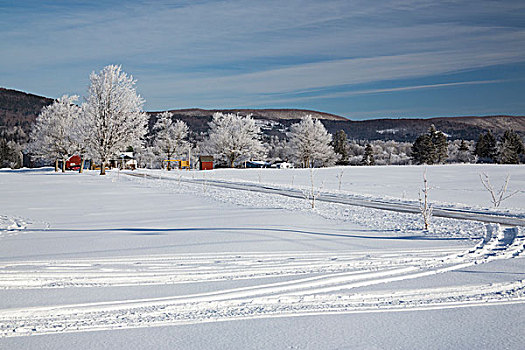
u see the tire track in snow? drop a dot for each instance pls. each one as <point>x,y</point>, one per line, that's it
<point>183,269</point>
<point>330,293</point>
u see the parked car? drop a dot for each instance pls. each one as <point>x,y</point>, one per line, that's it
<point>257,164</point>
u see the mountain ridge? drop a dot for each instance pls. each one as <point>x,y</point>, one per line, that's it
<point>21,108</point>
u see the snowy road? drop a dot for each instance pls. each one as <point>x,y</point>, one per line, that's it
<point>451,213</point>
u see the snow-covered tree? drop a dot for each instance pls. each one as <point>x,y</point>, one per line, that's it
<point>277,149</point>
<point>53,136</point>
<point>385,152</point>
<point>310,143</point>
<point>170,138</point>
<point>114,112</point>
<point>461,151</point>
<point>234,138</point>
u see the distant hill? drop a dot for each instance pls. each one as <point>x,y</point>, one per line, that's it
<point>275,114</point>
<point>467,128</point>
<point>20,108</point>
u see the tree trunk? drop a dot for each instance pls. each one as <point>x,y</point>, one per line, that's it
<point>103,168</point>
<point>83,159</point>
<point>56,165</point>
<point>63,165</point>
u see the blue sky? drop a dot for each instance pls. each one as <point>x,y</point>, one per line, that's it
<point>360,59</point>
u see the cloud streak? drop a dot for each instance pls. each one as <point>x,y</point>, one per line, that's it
<point>248,52</point>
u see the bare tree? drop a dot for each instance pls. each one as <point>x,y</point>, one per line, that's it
<point>340,178</point>
<point>425,208</point>
<point>311,193</point>
<point>496,196</point>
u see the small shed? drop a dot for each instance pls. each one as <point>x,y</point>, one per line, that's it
<point>73,163</point>
<point>206,162</point>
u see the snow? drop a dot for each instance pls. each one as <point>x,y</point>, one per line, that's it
<point>178,260</point>
<point>452,184</point>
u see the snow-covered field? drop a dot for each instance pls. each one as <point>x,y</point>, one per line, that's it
<point>178,260</point>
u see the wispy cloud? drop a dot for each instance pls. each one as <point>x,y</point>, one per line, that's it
<point>379,91</point>
<point>253,52</point>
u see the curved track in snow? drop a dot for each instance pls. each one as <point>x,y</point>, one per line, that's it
<point>328,286</point>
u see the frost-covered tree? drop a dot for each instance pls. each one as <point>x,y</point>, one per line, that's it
<point>53,136</point>
<point>170,137</point>
<point>113,110</point>
<point>461,151</point>
<point>234,138</point>
<point>310,143</point>
<point>277,149</point>
<point>385,152</point>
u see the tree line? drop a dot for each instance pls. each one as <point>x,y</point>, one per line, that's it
<point>111,120</point>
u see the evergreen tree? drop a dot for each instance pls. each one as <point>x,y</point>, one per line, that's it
<point>430,148</point>
<point>511,148</point>
<point>423,150</point>
<point>341,146</point>
<point>10,154</point>
<point>486,148</point>
<point>439,142</point>
<point>368,157</point>
<point>464,154</point>
<point>479,149</point>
